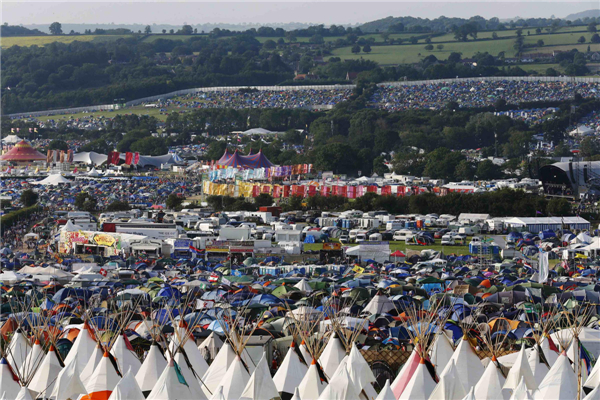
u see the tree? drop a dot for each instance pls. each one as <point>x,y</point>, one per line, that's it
<point>85,202</point>
<point>29,198</point>
<point>589,147</point>
<point>595,38</point>
<point>558,207</point>
<point>57,144</point>
<point>147,30</point>
<point>464,171</point>
<point>56,28</point>
<point>355,49</point>
<point>367,48</point>
<point>454,57</point>
<point>171,31</point>
<point>494,35</point>
<point>428,40</point>
<point>173,201</point>
<point>519,32</point>
<point>164,31</point>
<point>263,200</point>
<point>118,205</point>
<point>440,47</point>
<point>487,170</point>
<point>592,27</point>
<point>413,40</point>
<point>186,30</point>
<point>551,72</point>
<point>429,47</point>
<point>540,43</point>
<point>269,44</point>
<point>581,39</point>
<point>385,36</point>
<point>317,39</point>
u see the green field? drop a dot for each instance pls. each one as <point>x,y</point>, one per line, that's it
<point>154,112</point>
<point>27,41</point>
<point>152,38</point>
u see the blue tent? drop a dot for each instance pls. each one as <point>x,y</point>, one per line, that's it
<point>309,239</point>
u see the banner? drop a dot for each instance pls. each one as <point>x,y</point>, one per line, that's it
<point>49,156</point>
<point>128,158</point>
<point>136,158</point>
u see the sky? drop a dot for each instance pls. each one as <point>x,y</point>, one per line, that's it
<point>282,11</point>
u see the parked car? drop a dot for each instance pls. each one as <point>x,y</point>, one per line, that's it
<point>439,234</point>
<point>344,239</point>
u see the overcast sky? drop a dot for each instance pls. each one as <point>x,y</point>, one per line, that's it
<point>282,11</point>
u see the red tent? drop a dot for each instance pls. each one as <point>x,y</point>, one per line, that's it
<point>398,253</point>
<point>23,152</point>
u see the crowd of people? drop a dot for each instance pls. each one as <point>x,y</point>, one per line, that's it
<point>478,94</point>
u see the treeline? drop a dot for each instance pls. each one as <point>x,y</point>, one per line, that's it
<point>501,203</point>
<point>15,30</point>
<point>445,24</point>
<point>80,74</point>
<point>8,220</point>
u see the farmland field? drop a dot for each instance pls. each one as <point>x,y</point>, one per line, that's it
<point>27,41</point>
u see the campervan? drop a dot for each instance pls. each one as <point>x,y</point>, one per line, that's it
<point>403,234</point>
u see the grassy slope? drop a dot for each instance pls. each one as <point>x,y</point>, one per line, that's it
<point>460,250</point>
<point>27,41</point>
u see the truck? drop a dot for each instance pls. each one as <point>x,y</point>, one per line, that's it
<point>152,231</point>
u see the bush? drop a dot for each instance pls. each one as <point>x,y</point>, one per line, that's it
<point>118,206</point>
<point>29,198</point>
<point>8,220</point>
<point>174,201</point>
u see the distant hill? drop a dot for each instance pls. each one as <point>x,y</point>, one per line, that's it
<point>583,14</point>
<point>13,30</point>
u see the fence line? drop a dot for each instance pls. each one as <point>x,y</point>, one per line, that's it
<point>106,107</point>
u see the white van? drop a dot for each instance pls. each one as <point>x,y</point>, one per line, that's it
<point>352,234</point>
<point>448,240</point>
<point>467,230</point>
<point>360,237</point>
<point>403,234</point>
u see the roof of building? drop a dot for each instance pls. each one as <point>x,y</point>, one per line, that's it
<point>23,151</point>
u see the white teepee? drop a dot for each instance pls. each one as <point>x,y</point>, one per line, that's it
<point>420,385</point>
<point>235,379</point>
<point>559,383</point>
<point>125,358</point>
<point>468,365</point>
<point>17,352</point>
<point>153,366</point>
<point>9,386</point>
<point>386,393</point>
<point>189,376</point>
<point>261,385</point>
<point>332,355</point>
<point>83,348</point>
<point>290,372</point>
<point>210,346</point>
<point>521,392</point>
<point>43,381</point>
<point>127,389</point>
<point>441,352</point>
<point>538,368</point>
<point>311,386</point>
<point>217,369</point>
<point>91,364</point>
<point>491,384</point>
<point>103,380</point>
<point>68,384</point>
<point>170,386</point>
<point>449,386</point>
<point>520,369</point>
<point>340,386</point>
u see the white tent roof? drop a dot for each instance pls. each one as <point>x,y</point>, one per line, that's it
<point>379,304</point>
<point>8,385</point>
<point>258,131</point>
<point>386,393</point>
<point>190,378</point>
<point>520,369</point>
<point>218,368</point>
<point>53,180</point>
<point>168,386</point>
<point>24,394</point>
<point>68,385</point>
<point>261,385</point>
<point>467,363</point>
<point>491,383</point>
<point>93,172</point>
<point>449,387</point>
<point>340,386</point>
<point>104,378</point>
<point>45,376</point>
<point>235,379</point>
<point>303,285</point>
<point>90,158</point>
<point>152,367</point>
<point>212,344</point>
<point>332,355</point>
<point>34,359</point>
<point>311,386</point>
<point>359,370</point>
<point>559,383</point>
<point>191,351</point>
<point>441,352</point>
<point>594,394</point>
<point>126,359</point>
<point>90,366</point>
<point>11,139</point>
<point>127,389</point>
<point>18,348</point>
<point>379,252</point>
<point>420,386</point>
<point>290,372</point>
<point>538,368</point>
